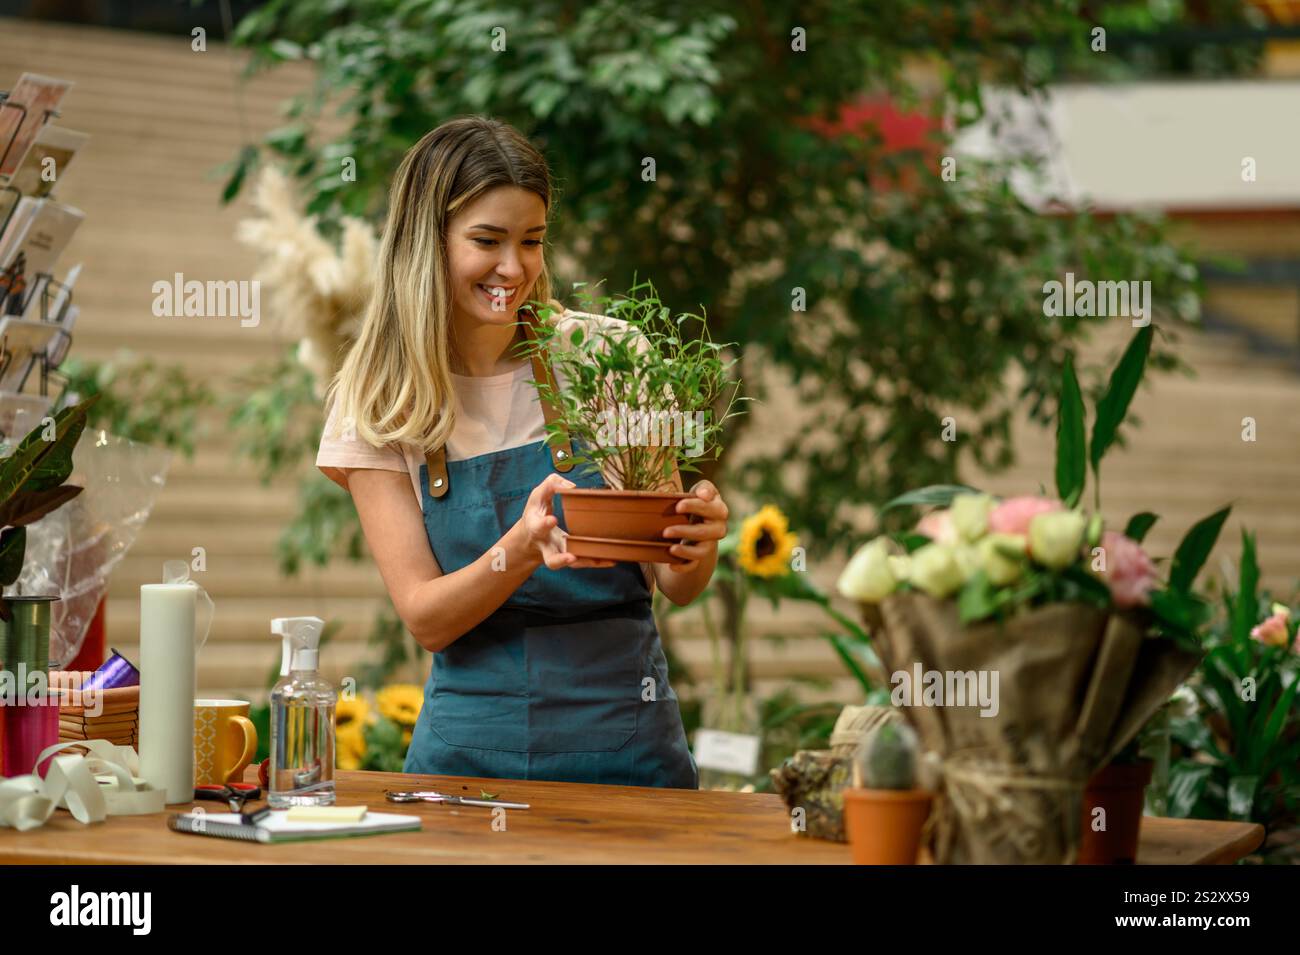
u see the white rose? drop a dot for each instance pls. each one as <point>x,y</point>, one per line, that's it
<point>935,570</point>
<point>970,515</point>
<point>1055,538</point>
<point>1000,568</point>
<point>868,576</point>
<point>967,558</point>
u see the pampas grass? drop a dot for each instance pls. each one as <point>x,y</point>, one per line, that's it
<point>317,294</point>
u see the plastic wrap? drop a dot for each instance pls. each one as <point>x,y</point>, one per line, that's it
<point>72,551</point>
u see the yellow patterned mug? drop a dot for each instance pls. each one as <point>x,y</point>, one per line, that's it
<point>225,741</point>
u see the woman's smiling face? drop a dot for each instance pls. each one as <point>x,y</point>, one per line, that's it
<point>494,249</point>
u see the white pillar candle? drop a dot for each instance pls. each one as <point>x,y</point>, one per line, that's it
<point>167,688</point>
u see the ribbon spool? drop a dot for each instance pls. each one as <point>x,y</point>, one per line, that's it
<point>27,802</point>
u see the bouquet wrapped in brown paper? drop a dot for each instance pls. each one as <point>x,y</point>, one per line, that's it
<point>1027,644</point>
<point>1074,684</point>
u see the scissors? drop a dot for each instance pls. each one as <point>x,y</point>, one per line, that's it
<point>429,795</point>
<point>232,794</point>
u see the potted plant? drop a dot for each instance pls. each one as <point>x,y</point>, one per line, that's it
<point>1236,746</point>
<point>884,812</point>
<point>1112,809</point>
<point>32,485</point>
<point>640,398</point>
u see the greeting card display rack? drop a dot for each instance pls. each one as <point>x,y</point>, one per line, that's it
<point>30,343</point>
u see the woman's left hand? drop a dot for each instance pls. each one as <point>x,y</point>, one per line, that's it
<point>699,540</point>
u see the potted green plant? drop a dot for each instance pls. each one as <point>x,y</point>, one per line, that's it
<point>884,812</point>
<point>1236,746</point>
<point>640,398</point>
<point>31,486</point>
<point>1112,809</point>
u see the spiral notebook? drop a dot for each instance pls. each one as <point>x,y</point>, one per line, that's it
<point>276,828</point>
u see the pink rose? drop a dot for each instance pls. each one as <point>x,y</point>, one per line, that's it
<point>1013,515</point>
<point>938,526</point>
<point>1130,573</point>
<point>1273,630</point>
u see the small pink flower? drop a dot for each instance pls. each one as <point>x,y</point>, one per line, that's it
<point>1273,630</point>
<point>1130,573</point>
<point>1013,515</point>
<point>938,526</point>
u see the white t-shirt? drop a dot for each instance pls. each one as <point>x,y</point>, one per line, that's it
<point>493,413</point>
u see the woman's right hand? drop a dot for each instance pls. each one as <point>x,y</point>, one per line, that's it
<point>542,530</point>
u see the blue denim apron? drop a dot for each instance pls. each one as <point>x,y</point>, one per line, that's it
<point>564,681</point>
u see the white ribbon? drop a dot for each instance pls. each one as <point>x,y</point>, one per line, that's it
<point>27,802</point>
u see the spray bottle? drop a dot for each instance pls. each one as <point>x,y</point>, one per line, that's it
<point>302,719</point>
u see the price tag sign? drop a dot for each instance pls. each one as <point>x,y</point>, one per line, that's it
<point>727,752</point>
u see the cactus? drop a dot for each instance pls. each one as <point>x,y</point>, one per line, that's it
<point>887,758</point>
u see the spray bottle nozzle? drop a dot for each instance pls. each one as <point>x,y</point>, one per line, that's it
<point>300,642</point>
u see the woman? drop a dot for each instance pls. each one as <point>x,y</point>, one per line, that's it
<point>545,666</point>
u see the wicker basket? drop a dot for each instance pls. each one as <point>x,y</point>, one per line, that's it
<point>112,715</point>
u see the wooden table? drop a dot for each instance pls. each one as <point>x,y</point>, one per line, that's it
<point>568,823</point>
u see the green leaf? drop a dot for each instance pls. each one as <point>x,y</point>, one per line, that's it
<point>1113,406</point>
<point>1245,603</point>
<point>1277,719</point>
<point>27,507</point>
<point>1071,450</point>
<point>245,162</point>
<point>936,494</point>
<point>1187,781</point>
<point>13,544</point>
<point>1138,525</point>
<point>978,598</point>
<point>912,542</point>
<point>37,464</point>
<point>1195,548</point>
<point>844,652</point>
<point>1241,796</point>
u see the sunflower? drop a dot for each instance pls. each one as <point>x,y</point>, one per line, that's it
<point>350,745</point>
<point>400,702</point>
<point>351,712</point>
<point>766,543</point>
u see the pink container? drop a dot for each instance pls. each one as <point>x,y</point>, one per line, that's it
<point>27,731</point>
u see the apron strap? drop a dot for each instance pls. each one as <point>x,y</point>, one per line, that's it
<point>561,451</point>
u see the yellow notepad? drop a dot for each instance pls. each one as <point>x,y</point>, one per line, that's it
<point>326,813</point>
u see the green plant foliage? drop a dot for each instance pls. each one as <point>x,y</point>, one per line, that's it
<point>31,485</point>
<point>643,399</point>
<point>275,412</point>
<point>932,302</point>
<point>142,400</point>
<point>1238,755</point>
<point>1071,466</point>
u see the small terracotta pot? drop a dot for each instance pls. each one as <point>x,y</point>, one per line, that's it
<point>884,825</point>
<point>621,515</point>
<point>1119,789</point>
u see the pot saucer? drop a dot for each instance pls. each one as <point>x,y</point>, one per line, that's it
<point>607,548</point>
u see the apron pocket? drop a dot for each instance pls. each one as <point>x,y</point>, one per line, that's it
<point>480,693</point>
<point>585,684</point>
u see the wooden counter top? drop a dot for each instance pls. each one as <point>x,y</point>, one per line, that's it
<point>568,823</point>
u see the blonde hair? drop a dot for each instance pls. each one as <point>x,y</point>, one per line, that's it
<point>395,383</point>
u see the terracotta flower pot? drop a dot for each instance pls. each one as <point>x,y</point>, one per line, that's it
<point>622,525</point>
<point>884,825</point>
<point>1119,790</point>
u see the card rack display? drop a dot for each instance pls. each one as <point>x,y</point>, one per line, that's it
<point>43,284</point>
